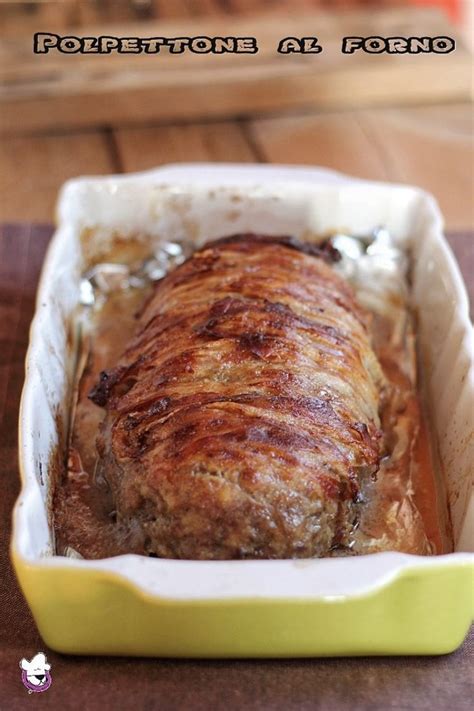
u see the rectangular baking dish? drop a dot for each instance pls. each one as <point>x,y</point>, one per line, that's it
<point>387,603</point>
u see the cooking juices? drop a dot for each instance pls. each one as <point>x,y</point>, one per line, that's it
<point>397,509</point>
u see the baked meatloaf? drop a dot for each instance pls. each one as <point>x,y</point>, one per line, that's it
<point>242,421</point>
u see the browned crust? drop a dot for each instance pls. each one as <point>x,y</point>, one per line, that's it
<point>243,416</point>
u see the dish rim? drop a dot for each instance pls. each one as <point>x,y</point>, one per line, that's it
<point>375,570</point>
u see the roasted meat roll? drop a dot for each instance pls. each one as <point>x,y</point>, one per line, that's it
<point>243,420</point>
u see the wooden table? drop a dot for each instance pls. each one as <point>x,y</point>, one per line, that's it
<point>398,118</point>
<point>429,145</point>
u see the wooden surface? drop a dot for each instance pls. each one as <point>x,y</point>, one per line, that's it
<point>429,146</point>
<point>90,683</point>
<point>55,90</point>
<point>24,17</point>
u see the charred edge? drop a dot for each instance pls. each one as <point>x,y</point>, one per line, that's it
<point>158,407</point>
<point>314,406</point>
<point>324,250</point>
<point>283,317</point>
<point>231,306</point>
<point>101,392</point>
<point>312,409</point>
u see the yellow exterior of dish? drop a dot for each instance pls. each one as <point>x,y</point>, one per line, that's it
<point>422,611</point>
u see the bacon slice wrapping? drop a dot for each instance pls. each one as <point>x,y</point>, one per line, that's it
<point>243,419</point>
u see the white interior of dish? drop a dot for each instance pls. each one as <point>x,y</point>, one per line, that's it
<point>202,202</point>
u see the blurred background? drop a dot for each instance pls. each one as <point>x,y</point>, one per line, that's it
<point>384,117</point>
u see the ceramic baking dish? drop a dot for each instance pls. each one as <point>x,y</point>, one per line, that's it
<point>387,603</point>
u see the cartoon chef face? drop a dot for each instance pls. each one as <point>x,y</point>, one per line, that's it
<point>35,674</point>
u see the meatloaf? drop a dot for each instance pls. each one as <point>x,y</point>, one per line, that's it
<point>243,418</point>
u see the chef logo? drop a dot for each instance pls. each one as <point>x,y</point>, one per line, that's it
<point>35,673</point>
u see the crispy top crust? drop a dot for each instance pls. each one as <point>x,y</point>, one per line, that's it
<point>244,414</point>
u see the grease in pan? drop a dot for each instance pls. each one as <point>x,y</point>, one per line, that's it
<point>266,407</point>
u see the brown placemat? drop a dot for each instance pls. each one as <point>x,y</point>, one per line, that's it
<point>368,684</point>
